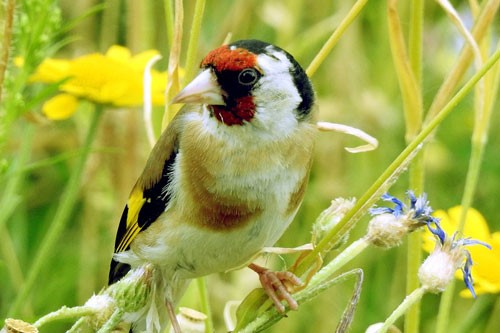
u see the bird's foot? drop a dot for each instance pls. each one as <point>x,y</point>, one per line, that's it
<point>277,286</point>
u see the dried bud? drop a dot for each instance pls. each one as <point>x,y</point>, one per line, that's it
<point>438,270</point>
<point>450,254</point>
<point>386,230</point>
<point>329,218</point>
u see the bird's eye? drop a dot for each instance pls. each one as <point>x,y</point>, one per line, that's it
<point>248,76</point>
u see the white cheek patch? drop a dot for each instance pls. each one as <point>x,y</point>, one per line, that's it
<point>276,96</point>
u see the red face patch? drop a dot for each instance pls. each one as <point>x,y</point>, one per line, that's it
<point>223,58</point>
<point>243,110</point>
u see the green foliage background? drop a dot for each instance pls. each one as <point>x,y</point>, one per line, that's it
<point>356,85</point>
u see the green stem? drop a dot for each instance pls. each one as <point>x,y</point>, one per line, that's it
<point>482,25</point>
<point>63,213</point>
<point>9,201</point>
<point>334,38</point>
<point>205,304</point>
<point>114,320</point>
<point>479,140</point>
<point>410,90</point>
<point>409,301</point>
<point>194,35</point>
<point>443,318</point>
<point>169,21</point>
<point>349,253</point>
<point>9,198</point>
<point>416,172</point>
<point>481,308</point>
<point>269,317</point>
<point>64,313</point>
<point>369,197</point>
<point>415,40</point>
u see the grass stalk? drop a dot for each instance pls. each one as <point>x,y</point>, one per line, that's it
<point>417,169</point>
<point>334,38</point>
<point>173,81</point>
<point>484,21</point>
<point>479,140</point>
<point>205,304</point>
<point>194,36</point>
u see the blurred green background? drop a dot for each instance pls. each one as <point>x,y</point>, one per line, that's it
<point>356,85</point>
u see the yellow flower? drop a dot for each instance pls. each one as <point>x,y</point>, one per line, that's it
<point>486,263</point>
<point>115,78</point>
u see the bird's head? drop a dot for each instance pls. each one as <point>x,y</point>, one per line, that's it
<point>251,82</point>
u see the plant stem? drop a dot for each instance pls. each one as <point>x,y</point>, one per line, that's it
<point>483,23</point>
<point>64,313</point>
<point>479,139</point>
<point>9,201</point>
<point>114,320</point>
<point>334,38</point>
<point>63,213</point>
<point>369,197</point>
<point>194,36</point>
<point>349,253</point>
<point>205,304</point>
<point>417,169</point>
<point>173,84</point>
<point>410,300</point>
<point>480,309</point>
<point>169,21</point>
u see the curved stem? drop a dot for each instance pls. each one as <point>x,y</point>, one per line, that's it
<point>411,299</point>
<point>64,210</point>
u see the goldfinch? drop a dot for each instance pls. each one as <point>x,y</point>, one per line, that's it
<point>224,180</point>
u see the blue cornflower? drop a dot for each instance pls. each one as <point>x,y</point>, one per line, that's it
<point>389,225</point>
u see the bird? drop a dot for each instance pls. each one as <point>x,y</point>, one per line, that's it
<point>224,180</point>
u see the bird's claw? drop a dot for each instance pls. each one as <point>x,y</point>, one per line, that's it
<point>277,285</point>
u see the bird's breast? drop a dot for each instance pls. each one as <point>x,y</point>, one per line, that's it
<point>230,198</point>
<point>228,183</point>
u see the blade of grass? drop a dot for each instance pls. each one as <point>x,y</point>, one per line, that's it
<point>205,304</point>
<point>173,84</point>
<point>479,140</point>
<point>484,21</point>
<point>194,36</point>
<point>334,38</point>
<point>409,69</point>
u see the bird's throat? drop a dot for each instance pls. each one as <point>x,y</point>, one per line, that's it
<point>236,113</point>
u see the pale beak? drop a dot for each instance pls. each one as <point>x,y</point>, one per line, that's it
<point>204,89</point>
